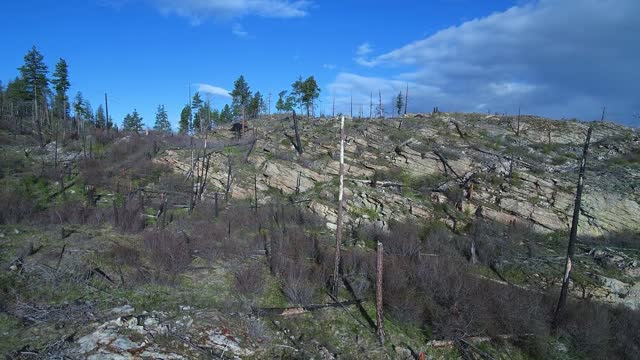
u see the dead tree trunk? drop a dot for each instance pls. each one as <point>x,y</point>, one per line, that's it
<point>406,99</point>
<point>106,111</point>
<point>379,310</point>
<point>255,191</point>
<point>333,109</point>
<point>192,195</point>
<point>36,118</point>
<point>518,123</point>
<point>573,234</point>
<point>295,128</point>
<point>336,265</point>
<point>352,105</point>
<point>215,205</point>
<point>228,185</point>
<point>243,120</point>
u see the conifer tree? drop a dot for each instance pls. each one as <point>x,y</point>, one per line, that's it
<point>305,93</point>
<point>61,85</point>
<point>162,120</point>
<point>196,106</point>
<point>132,122</point>
<point>101,121</point>
<point>34,74</point>
<point>184,125</point>
<point>241,95</point>
<point>226,115</point>
<point>399,102</point>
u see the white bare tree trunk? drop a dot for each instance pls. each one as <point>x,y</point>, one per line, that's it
<point>336,268</point>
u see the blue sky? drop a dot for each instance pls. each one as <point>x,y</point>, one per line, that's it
<point>554,58</point>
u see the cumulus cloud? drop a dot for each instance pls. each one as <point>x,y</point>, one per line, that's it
<point>554,58</point>
<point>238,30</point>
<point>362,53</point>
<point>213,90</point>
<point>198,10</point>
<point>329,66</point>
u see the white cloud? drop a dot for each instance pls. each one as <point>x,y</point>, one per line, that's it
<point>362,52</point>
<point>364,49</point>
<point>238,30</point>
<point>554,58</point>
<point>329,66</point>
<point>213,90</point>
<point>198,10</point>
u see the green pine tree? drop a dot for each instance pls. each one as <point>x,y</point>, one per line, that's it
<point>132,122</point>
<point>255,105</point>
<point>162,120</point>
<point>399,103</point>
<point>34,74</point>
<point>61,85</point>
<point>196,106</point>
<point>305,93</point>
<point>226,115</point>
<point>185,115</point>
<point>16,92</point>
<point>78,107</point>
<point>241,96</point>
<point>101,121</point>
<point>215,117</point>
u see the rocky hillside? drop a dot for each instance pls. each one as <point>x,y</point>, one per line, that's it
<point>153,246</point>
<point>406,173</point>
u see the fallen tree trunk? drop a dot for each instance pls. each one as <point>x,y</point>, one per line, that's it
<point>295,310</point>
<point>449,343</point>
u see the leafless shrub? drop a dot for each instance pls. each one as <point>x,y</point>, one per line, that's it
<point>357,267</point>
<point>129,216</point>
<point>588,326</point>
<point>249,281</point>
<point>257,329</point>
<point>15,206</point>
<point>125,255</point>
<point>624,239</point>
<point>129,157</point>
<point>168,251</point>
<point>455,194</point>
<point>400,296</point>
<point>625,335</point>
<point>299,283</point>
<point>402,239</point>
<point>73,212</point>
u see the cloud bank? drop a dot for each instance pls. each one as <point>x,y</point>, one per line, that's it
<point>554,58</point>
<point>199,10</point>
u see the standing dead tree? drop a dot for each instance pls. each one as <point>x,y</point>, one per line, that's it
<point>371,105</point>
<point>333,109</point>
<point>228,185</point>
<point>380,109</point>
<point>352,105</point>
<point>379,310</point>
<point>336,265</point>
<point>573,234</point>
<point>406,99</point>
<point>255,192</point>
<point>517,128</point>
<point>298,144</point>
